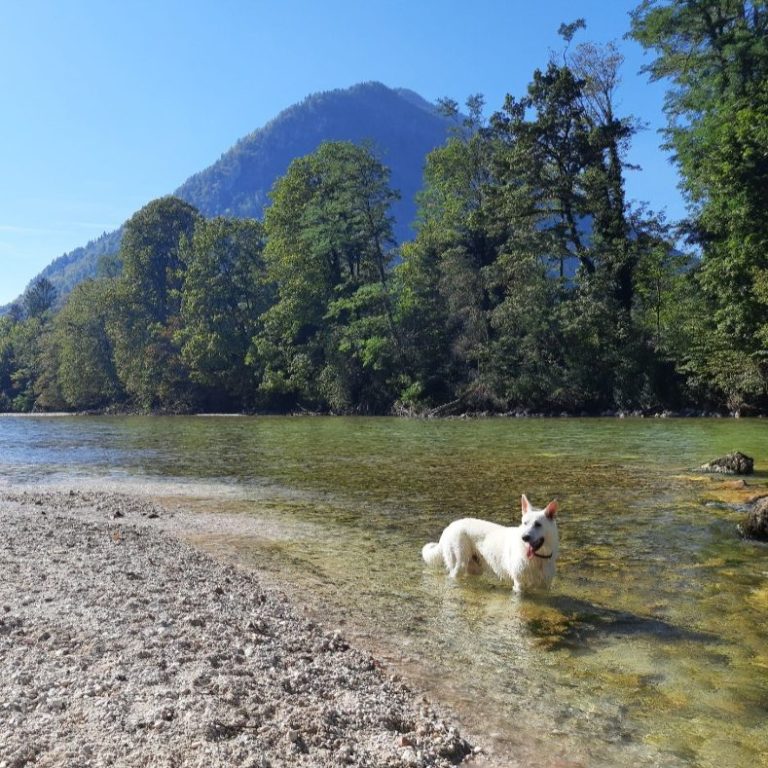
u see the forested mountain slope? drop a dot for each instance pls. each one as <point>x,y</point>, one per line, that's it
<point>400,127</point>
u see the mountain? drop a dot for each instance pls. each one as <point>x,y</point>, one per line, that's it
<point>399,125</point>
<point>78,265</point>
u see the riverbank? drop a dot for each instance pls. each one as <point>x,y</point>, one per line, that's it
<point>121,645</point>
<point>410,413</point>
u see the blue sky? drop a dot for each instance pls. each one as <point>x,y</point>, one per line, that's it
<point>107,106</point>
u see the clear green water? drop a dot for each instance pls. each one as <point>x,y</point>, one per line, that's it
<point>651,650</point>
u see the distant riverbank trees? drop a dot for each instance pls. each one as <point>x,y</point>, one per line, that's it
<point>531,283</point>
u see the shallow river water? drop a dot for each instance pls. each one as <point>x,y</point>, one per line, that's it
<point>650,650</point>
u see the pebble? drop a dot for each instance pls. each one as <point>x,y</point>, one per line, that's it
<point>186,662</point>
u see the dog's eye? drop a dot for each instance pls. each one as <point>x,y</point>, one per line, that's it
<point>537,524</point>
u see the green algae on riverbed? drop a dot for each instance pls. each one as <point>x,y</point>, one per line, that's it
<point>651,647</point>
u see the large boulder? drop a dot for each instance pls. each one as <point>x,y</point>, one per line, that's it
<point>756,524</point>
<point>735,463</point>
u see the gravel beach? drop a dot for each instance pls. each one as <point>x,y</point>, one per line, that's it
<point>121,645</point>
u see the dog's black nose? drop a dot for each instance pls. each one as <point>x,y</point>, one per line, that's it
<point>527,537</point>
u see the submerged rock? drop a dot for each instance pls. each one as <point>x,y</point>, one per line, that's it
<point>756,524</point>
<point>735,463</point>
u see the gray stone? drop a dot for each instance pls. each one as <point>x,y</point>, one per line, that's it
<point>756,524</point>
<point>735,463</point>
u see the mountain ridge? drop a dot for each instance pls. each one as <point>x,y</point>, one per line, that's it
<point>400,126</point>
<point>365,112</point>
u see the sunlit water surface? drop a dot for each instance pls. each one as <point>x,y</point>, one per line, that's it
<point>651,649</point>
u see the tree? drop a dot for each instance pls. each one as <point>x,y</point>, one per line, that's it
<point>446,296</point>
<point>329,240</point>
<point>522,286</point>
<point>564,146</point>
<point>85,366</point>
<point>150,254</point>
<point>714,55</point>
<point>23,360</point>
<point>225,291</point>
<point>7,362</point>
<point>28,353</point>
<point>147,305</point>
<point>39,298</point>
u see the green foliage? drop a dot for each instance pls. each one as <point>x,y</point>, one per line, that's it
<point>225,291</point>
<point>23,344</point>
<point>527,350</point>
<point>329,238</point>
<point>446,275</point>
<point>715,55</point>
<point>732,220</point>
<point>7,363</point>
<point>530,285</point>
<point>147,306</point>
<point>491,298</point>
<point>402,125</point>
<point>39,298</point>
<point>85,367</point>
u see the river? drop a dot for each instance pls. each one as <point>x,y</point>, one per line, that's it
<point>650,650</point>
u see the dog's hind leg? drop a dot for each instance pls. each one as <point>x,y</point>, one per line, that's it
<point>457,558</point>
<point>454,565</point>
<point>452,558</point>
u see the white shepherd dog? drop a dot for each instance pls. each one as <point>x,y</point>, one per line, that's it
<point>525,554</point>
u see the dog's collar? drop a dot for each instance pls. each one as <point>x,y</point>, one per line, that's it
<point>544,557</point>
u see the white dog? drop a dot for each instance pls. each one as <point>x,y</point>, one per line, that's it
<point>525,554</point>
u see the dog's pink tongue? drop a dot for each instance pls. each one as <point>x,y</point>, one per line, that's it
<point>529,551</point>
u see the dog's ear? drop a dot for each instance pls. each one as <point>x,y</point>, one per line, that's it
<point>551,509</point>
<point>526,505</point>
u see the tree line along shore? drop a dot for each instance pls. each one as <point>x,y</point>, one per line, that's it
<point>531,285</point>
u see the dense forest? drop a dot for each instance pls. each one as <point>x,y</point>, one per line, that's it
<point>531,284</point>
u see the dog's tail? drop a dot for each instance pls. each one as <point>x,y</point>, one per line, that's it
<point>432,554</point>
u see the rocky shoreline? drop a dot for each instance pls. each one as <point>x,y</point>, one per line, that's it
<point>121,645</point>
